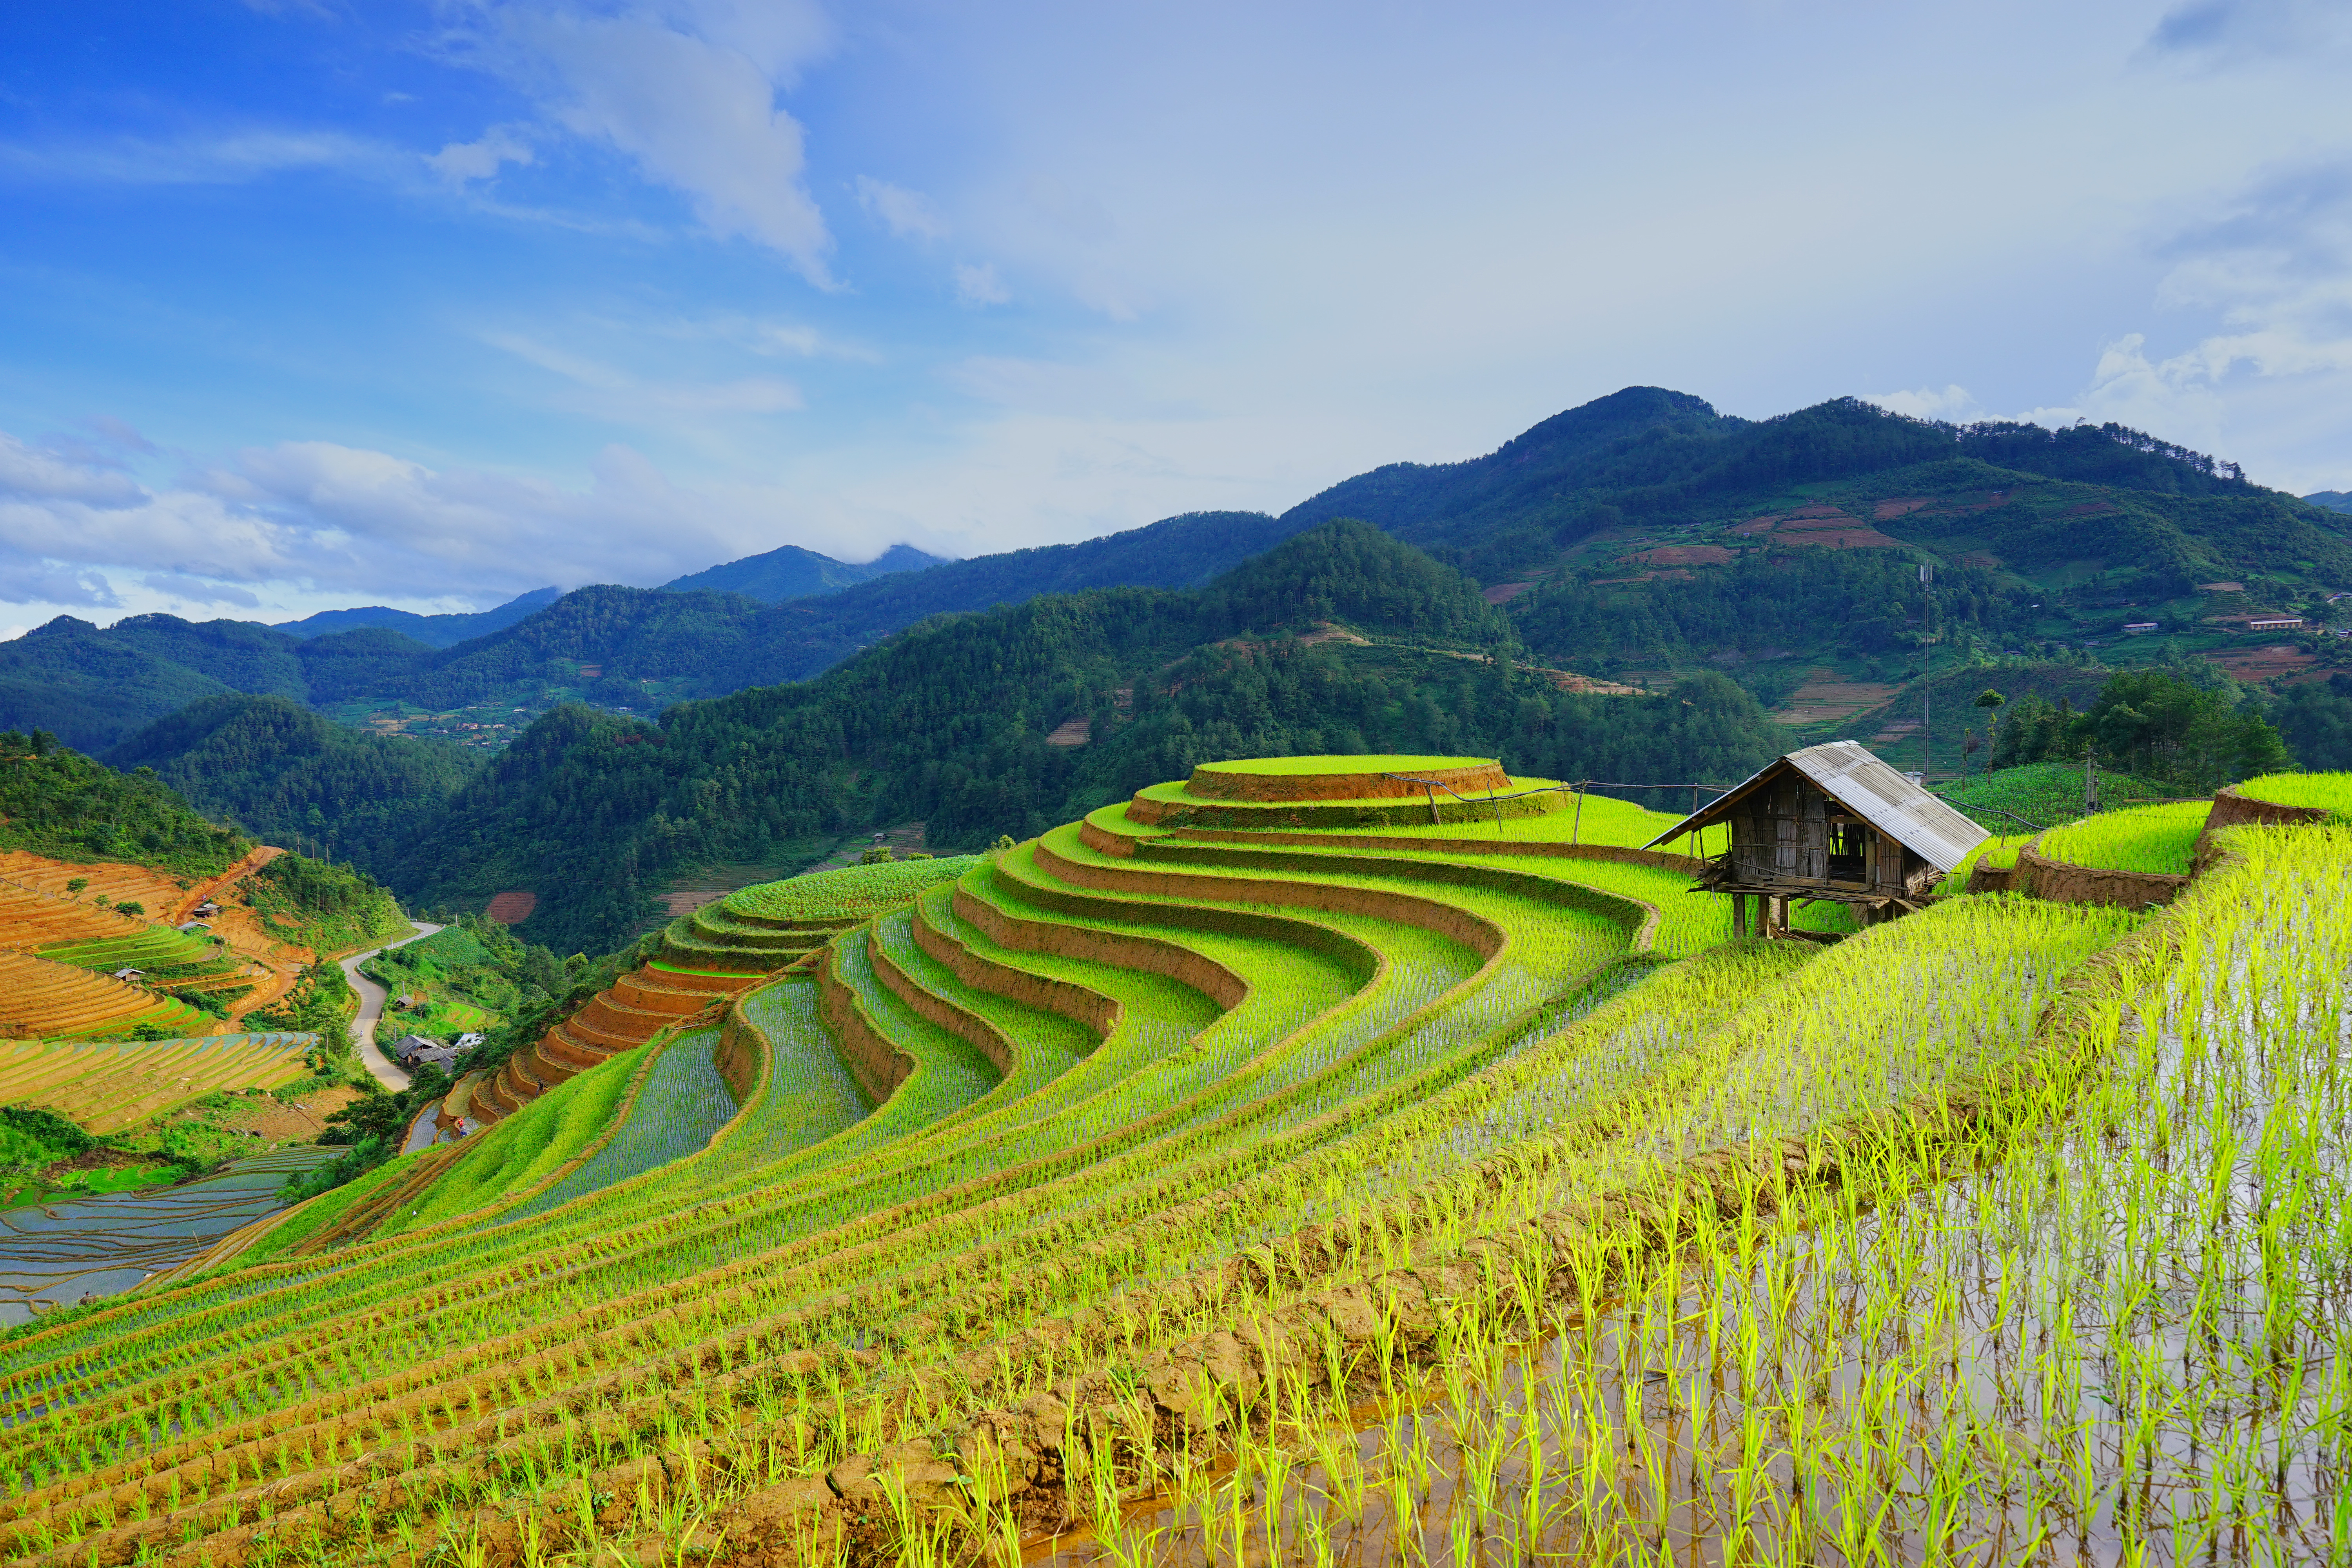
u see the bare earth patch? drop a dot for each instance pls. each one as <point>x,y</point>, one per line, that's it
<point>2252,665</point>
<point>1823,696</point>
<point>512,907</point>
<point>1687,555</point>
<point>1504,593</point>
<point>1072,733</point>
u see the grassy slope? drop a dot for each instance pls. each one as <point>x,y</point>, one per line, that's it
<point>2333,791</point>
<point>2152,839</point>
<point>527,1147</point>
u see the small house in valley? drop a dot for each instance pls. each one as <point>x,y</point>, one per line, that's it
<point>1833,823</point>
<point>415,1051</point>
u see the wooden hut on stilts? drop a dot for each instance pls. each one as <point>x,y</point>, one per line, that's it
<point>1833,823</point>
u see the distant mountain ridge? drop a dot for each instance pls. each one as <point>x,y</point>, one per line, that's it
<point>788,572</point>
<point>2333,501</point>
<point>433,631</point>
<point>1634,532</point>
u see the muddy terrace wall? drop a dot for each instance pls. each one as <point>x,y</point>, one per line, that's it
<point>2061,882</point>
<point>1121,846</point>
<point>1480,936</point>
<point>1090,1009</point>
<point>1178,963</point>
<point>1388,813</point>
<point>876,1065</point>
<point>982,1036</point>
<point>1214,783</point>
<point>741,1059</point>
<point>2232,809</point>
<point>1637,918</point>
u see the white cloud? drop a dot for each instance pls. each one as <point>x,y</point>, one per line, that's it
<point>32,474</point>
<point>909,215</point>
<point>626,398</point>
<point>191,590</point>
<point>768,337</point>
<point>687,92</point>
<point>2243,30</point>
<point>461,162</point>
<point>979,285</point>
<point>316,518</point>
<point>29,580</point>
<point>1954,402</point>
<point>214,158</point>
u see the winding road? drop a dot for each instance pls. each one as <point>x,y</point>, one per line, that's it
<point>372,997</point>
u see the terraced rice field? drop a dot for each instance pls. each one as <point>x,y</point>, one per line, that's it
<point>108,1087</point>
<point>41,1000</point>
<point>2329,792</point>
<point>54,1255</point>
<point>158,893</point>
<point>705,958</point>
<point>31,919</point>
<point>1158,1192</point>
<point>2153,838</point>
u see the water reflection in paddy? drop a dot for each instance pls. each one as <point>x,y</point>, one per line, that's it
<point>53,1255</point>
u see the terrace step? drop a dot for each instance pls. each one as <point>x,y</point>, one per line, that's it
<point>558,1045</point>
<point>604,1037</point>
<point>613,1018</point>
<point>550,1070</point>
<point>636,992</point>
<point>692,952</point>
<point>707,924</point>
<point>687,979</point>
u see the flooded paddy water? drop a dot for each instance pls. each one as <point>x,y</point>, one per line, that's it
<point>53,1255</point>
<point>2123,1338</point>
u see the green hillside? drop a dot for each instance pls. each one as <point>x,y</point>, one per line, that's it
<point>788,572</point>
<point>293,778</point>
<point>1146,1193</point>
<point>57,802</point>
<point>1641,535</point>
<point>954,724</point>
<point>433,631</point>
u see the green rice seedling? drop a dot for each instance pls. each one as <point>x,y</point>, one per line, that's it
<point>2328,791</point>
<point>2023,1292</point>
<point>2155,838</point>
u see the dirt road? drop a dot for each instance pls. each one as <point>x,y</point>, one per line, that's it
<point>372,997</point>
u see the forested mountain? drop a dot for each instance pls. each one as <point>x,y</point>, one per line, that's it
<point>790,572</point>
<point>286,775</point>
<point>62,805</point>
<point>2333,501</point>
<point>1643,536</point>
<point>949,724</point>
<point>93,688</point>
<point>610,646</point>
<point>433,631</point>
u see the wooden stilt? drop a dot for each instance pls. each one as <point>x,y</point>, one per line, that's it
<point>1738,915</point>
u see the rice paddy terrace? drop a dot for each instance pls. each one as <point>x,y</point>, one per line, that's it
<point>94,950</point>
<point>1219,1180</point>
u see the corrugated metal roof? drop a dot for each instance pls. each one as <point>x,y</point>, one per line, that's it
<point>1883,797</point>
<point>1890,802</point>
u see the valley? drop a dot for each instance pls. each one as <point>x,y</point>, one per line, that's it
<point>1220,1044</point>
<point>1258,1164</point>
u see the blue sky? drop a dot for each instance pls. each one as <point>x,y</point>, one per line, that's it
<point>315,303</point>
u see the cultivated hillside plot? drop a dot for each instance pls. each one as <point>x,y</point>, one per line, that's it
<point>1167,1191</point>
<point>106,1086</point>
